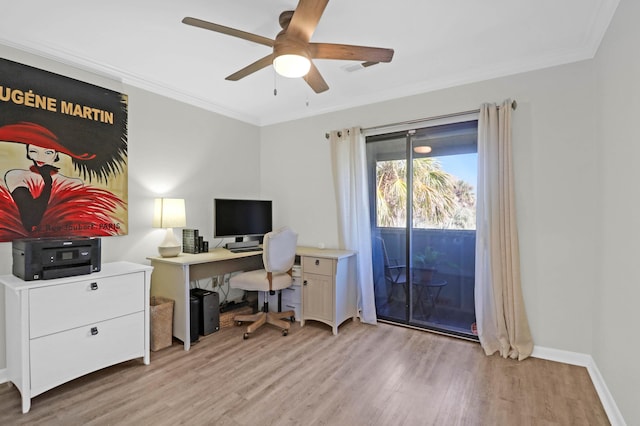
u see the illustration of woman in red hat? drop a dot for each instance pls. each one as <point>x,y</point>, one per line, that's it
<point>40,201</point>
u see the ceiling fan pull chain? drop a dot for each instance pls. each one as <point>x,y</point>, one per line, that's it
<point>275,81</point>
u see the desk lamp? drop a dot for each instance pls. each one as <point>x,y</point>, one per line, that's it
<point>169,213</point>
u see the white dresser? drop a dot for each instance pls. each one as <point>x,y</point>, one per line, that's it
<point>61,329</point>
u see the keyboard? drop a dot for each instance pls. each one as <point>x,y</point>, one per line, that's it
<point>245,249</point>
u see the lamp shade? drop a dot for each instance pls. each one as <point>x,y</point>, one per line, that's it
<point>169,213</point>
<point>292,65</point>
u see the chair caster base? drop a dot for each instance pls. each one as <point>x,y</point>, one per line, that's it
<point>245,336</point>
<point>285,332</point>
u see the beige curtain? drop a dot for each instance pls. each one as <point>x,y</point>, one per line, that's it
<point>349,166</point>
<point>500,312</point>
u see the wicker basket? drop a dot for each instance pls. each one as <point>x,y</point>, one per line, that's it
<point>226,318</point>
<point>161,323</point>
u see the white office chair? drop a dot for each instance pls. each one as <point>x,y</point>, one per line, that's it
<point>278,257</point>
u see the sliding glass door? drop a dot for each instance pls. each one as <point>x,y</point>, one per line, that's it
<point>422,191</point>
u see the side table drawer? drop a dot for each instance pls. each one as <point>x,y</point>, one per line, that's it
<point>317,265</point>
<point>60,357</point>
<point>65,306</point>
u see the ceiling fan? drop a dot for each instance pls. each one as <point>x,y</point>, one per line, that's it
<point>292,50</point>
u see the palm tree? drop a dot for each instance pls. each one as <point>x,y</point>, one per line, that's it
<point>434,196</point>
<point>391,193</point>
<point>433,193</point>
<point>464,216</point>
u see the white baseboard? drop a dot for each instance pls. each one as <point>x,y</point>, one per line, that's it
<point>3,376</point>
<point>584,360</point>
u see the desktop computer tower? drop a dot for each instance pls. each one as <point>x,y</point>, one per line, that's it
<point>209,310</point>
<point>194,315</point>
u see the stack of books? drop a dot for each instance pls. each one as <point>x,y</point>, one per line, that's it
<point>190,241</point>
<point>193,243</point>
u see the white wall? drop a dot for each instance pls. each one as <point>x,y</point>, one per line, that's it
<point>617,294</point>
<point>175,150</point>
<point>557,189</point>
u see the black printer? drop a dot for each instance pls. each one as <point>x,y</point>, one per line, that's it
<point>47,258</point>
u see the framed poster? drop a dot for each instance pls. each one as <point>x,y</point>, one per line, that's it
<point>63,156</point>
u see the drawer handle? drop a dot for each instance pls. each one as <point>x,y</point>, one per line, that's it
<point>317,262</point>
<point>289,306</point>
<point>94,286</point>
<point>94,331</point>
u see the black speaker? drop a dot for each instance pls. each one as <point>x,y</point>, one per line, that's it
<point>209,315</point>
<point>194,314</point>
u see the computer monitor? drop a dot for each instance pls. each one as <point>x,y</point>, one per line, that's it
<point>241,218</point>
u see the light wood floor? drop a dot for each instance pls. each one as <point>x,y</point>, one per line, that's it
<point>367,375</point>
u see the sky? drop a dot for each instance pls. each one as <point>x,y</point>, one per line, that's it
<point>463,166</point>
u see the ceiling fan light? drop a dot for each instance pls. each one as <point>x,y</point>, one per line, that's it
<point>292,66</point>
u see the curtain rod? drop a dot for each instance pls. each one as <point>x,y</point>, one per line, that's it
<point>514,106</point>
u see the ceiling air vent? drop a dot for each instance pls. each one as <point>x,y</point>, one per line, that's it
<point>357,67</point>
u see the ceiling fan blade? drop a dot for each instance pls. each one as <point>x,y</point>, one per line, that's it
<point>250,69</point>
<point>305,19</point>
<point>228,31</point>
<point>315,80</point>
<point>350,52</point>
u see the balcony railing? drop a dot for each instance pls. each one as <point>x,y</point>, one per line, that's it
<point>452,307</point>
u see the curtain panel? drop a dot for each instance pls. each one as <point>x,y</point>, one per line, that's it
<point>500,312</point>
<point>349,166</point>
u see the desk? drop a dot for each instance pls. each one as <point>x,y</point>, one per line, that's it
<point>329,294</point>
<point>172,276</point>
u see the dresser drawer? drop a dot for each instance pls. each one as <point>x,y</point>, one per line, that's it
<point>317,265</point>
<point>60,357</point>
<point>65,306</point>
